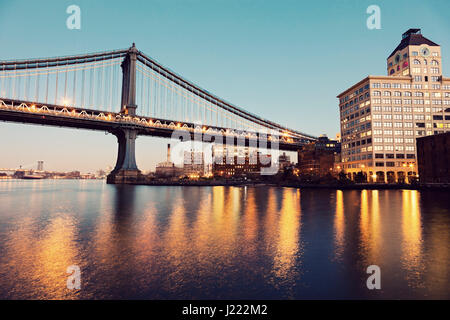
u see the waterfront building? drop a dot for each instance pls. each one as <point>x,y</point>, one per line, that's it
<point>194,163</point>
<point>167,168</point>
<point>237,161</point>
<point>40,166</point>
<point>433,158</point>
<point>381,116</point>
<point>318,157</point>
<point>284,161</point>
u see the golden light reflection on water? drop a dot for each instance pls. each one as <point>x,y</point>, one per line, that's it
<point>339,225</point>
<point>288,244</point>
<point>250,223</point>
<point>41,263</point>
<point>370,227</point>
<point>412,237</point>
<point>216,239</point>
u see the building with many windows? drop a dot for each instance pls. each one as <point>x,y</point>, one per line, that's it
<point>382,116</point>
<point>194,163</point>
<point>318,157</point>
<point>238,161</point>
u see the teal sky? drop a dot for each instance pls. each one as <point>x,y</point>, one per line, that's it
<point>283,60</point>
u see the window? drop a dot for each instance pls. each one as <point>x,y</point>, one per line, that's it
<point>434,70</point>
<point>416,61</point>
<point>434,63</point>
<point>415,54</point>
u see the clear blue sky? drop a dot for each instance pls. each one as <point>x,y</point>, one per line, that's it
<point>283,60</point>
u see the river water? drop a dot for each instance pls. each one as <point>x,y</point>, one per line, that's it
<point>153,242</point>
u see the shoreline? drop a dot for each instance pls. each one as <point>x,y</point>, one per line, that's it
<point>229,183</point>
<point>368,186</point>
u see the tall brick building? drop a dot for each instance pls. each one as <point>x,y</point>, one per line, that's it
<point>433,158</point>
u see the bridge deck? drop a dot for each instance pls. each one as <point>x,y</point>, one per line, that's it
<point>63,116</point>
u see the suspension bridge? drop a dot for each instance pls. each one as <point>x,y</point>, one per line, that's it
<point>127,93</point>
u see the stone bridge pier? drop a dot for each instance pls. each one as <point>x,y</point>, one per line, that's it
<point>126,170</point>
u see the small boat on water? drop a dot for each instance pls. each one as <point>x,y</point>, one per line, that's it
<point>32,177</point>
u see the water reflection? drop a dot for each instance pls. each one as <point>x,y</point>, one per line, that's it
<point>339,225</point>
<point>412,237</point>
<point>220,242</point>
<point>287,256</point>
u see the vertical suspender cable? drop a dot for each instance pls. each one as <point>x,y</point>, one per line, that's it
<point>149,85</point>
<point>110,91</point>
<point>65,84</point>
<point>91,85</point>
<point>101,86</point>
<point>14,83</point>
<point>74,87</point>
<point>142,90</point>
<point>83,84</point>
<point>46,87</point>
<point>2,94</point>
<point>56,84</point>
<point>36,97</point>
<point>27,83</point>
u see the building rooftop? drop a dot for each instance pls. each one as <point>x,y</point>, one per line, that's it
<point>412,37</point>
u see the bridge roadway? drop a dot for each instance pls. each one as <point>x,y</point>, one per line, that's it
<point>69,117</point>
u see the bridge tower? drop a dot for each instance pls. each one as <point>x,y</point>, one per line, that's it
<point>126,170</point>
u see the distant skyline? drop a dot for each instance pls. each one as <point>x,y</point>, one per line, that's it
<point>282,60</point>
